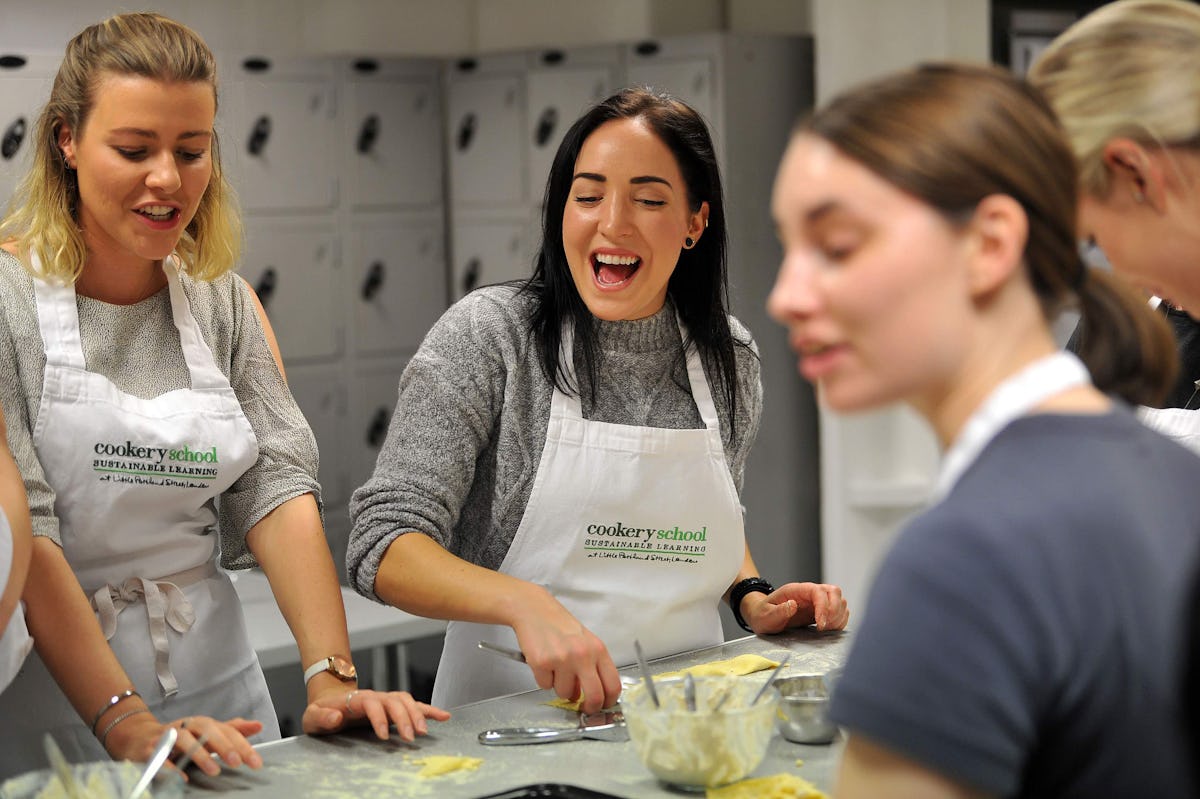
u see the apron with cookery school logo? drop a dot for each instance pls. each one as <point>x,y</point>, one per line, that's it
<point>135,484</point>
<point>637,531</point>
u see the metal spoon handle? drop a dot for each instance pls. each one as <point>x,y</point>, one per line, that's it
<point>166,742</point>
<point>771,679</point>
<point>689,692</point>
<point>641,659</point>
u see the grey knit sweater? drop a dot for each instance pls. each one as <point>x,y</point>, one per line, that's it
<point>470,424</point>
<point>137,347</point>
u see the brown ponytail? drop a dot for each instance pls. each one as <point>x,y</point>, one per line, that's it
<point>1128,348</point>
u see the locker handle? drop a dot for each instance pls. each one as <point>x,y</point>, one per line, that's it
<point>12,139</point>
<point>471,275</point>
<point>368,133</point>
<point>466,132</point>
<point>546,125</point>
<point>377,430</point>
<point>266,285</point>
<point>259,135</point>
<point>374,281</point>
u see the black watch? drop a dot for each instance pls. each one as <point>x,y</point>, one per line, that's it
<point>750,585</point>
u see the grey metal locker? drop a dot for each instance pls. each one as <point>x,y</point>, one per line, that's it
<point>279,132</point>
<point>489,251</point>
<point>293,266</point>
<point>376,390</point>
<point>484,139</point>
<point>392,123</point>
<point>397,273</point>
<point>320,391</point>
<point>26,80</point>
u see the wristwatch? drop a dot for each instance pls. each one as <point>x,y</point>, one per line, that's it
<point>336,665</point>
<point>750,585</point>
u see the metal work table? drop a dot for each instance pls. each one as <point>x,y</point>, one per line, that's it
<point>355,764</point>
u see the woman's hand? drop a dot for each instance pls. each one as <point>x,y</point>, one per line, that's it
<point>796,605</point>
<point>335,710</point>
<point>568,657</point>
<point>136,738</point>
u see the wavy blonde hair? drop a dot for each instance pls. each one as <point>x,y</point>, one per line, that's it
<point>42,219</point>
<point>1129,69</point>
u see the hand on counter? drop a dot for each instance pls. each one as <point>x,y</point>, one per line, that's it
<point>137,738</point>
<point>796,605</point>
<point>337,709</point>
<point>568,657</point>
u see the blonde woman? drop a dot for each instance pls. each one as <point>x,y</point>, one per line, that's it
<point>148,387</point>
<point>1125,81</point>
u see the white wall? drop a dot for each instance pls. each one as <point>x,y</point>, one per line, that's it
<point>860,39</point>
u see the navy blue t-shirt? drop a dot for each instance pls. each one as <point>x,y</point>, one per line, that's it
<point>1025,635</point>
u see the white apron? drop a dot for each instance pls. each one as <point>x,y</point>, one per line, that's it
<point>15,642</point>
<point>637,531</point>
<point>1014,397</point>
<point>136,482</point>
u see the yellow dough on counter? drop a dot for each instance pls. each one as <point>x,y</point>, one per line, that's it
<point>734,667</point>
<point>572,705</point>
<point>438,765</point>
<point>777,786</point>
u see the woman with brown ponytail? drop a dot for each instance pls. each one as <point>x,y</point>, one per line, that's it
<point>1022,636</point>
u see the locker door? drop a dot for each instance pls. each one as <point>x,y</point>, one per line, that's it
<point>556,98</point>
<point>398,280</point>
<point>26,88</point>
<point>690,80</point>
<point>375,402</point>
<point>488,252</point>
<point>277,138</point>
<point>484,142</point>
<point>393,135</point>
<point>320,392</point>
<point>294,269</point>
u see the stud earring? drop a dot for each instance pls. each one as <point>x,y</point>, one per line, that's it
<point>689,243</point>
<point>1139,198</point>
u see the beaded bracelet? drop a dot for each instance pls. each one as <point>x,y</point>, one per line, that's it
<point>748,586</point>
<point>110,703</point>
<point>104,735</point>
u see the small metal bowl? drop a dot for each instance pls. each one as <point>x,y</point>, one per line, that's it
<point>803,715</point>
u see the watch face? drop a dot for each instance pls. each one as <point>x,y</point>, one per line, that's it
<point>342,668</point>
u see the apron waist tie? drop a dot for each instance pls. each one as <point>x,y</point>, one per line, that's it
<point>165,604</point>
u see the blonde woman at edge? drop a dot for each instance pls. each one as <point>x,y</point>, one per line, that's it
<point>1125,81</point>
<point>15,544</point>
<point>148,387</point>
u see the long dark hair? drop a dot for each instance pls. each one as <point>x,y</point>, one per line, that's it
<point>953,134</point>
<point>698,287</point>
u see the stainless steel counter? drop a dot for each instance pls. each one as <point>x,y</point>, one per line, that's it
<point>358,765</point>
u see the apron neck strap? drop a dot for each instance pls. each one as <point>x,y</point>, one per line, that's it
<point>701,393</point>
<point>58,322</point>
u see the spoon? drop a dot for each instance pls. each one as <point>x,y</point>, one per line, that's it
<point>61,767</point>
<point>771,679</point>
<point>166,742</point>
<point>641,659</point>
<point>689,692</point>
